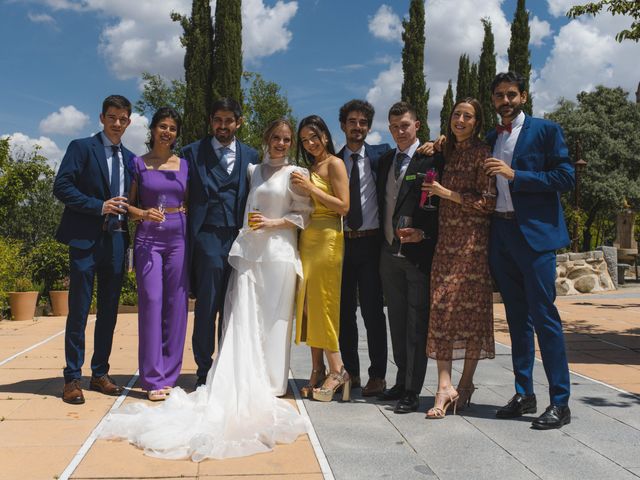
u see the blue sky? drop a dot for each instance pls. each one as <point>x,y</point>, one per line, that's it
<point>62,57</point>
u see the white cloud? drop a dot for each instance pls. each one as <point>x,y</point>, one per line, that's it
<point>66,121</point>
<point>264,29</point>
<point>558,8</point>
<point>374,138</point>
<point>585,54</point>
<point>142,36</point>
<point>385,24</point>
<point>540,29</point>
<point>21,143</point>
<point>445,42</point>
<point>41,18</point>
<point>135,137</point>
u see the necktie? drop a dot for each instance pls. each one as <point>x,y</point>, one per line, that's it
<point>398,164</point>
<point>115,171</point>
<point>354,217</point>
<point>503,128</point>
<point>224,161</point>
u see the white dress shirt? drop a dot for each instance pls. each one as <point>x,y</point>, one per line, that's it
<point>109,154</point>
<point>368,195</point>
<point>503,150</point>
<point>393,189</point>
<point>231,155</point>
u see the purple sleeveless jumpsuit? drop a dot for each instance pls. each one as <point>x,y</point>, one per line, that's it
<point>162,277</point>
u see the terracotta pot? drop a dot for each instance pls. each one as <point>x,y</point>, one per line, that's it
<point>23,305</point>
<point>59,302</point>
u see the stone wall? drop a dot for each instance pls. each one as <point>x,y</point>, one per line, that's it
<point>578,273</point>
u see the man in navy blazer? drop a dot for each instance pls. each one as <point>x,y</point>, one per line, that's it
<point>532,167</point>
<point>218,191</point>
<point>92,183</point>
<point>362,241</point>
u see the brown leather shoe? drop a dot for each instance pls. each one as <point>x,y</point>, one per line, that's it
<point>106,385</point>
<point>72,392</point>
<point>375,386</point>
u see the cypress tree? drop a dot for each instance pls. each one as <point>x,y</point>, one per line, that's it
<point>414,88</point>
<point>227,50</point>
<point>486,74</point>
<point>462,85</point>
<point>519,53</point>
<point>198,42</point>
<point>474,90</point>
<point>447,108</point>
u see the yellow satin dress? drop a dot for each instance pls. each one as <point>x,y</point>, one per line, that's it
<point>321,248</point>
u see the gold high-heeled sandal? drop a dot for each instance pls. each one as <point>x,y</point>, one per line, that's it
<point>325,394</point>
<point>464,396</point>
<point>437,413</point>
<point>316,379</point>
<point>156,395</point>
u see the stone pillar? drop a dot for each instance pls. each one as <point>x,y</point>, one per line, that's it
<point>611,259</point>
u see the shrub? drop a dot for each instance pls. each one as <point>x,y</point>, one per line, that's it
<point>49,262</point>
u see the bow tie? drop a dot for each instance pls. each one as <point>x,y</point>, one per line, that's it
<point>503,128</point>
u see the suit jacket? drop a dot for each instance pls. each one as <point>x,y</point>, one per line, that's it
<point>543,171</point>
<point>373,153</point>
<point>408,201</point>
<point>82,184</point>
<point>198,155</point>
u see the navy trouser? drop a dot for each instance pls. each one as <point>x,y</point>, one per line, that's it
<point>104,261</point>
<point>526,280</point>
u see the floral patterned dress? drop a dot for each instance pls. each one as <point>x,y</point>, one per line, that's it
<point>461,319</point>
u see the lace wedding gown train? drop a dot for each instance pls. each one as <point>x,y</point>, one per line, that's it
<point>237,412</point>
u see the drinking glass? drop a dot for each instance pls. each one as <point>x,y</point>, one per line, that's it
<point>430,177</point>
<point>120,217</point>
<point>253,211</point>
<point>403,222</point>
<point>162,204</point>
<point>490,190</point>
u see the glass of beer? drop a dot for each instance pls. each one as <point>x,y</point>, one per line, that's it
<point>253,212</point>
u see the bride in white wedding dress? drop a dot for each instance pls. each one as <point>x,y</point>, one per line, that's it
<point>237,412</point>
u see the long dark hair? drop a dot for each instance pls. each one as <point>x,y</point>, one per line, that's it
<point>161,114</point>
<point>319,127</point>
<point>451,138</point>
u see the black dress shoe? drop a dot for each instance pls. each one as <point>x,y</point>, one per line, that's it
<point>394,393</point>
<point>518,406</point>
<point>553,417</point>
<point>408,403</point>
<point>202,380</point>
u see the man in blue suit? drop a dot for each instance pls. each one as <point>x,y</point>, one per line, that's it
<point>92,183</point>
<point>532,167</point>
<point>362,241</point>
<point>217,196</point>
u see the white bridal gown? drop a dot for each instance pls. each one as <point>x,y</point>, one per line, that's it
<point>237,412</point>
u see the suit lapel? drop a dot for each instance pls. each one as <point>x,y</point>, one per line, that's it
<point>408,180</point>
<point>205,157</point>
<point>101,158</point>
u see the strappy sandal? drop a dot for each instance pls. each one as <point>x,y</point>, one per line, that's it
<point>437,413</point>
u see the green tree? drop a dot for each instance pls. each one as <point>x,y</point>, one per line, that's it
<point>227,51</point>
<point>28,211</point>
<point>519,53</point>
<point>447,108</point>
<point>198,42</point>
<point>474,89</point>
<point>606,125</point>
<point>414,89</point>
<point>486,74</point>
<point>264,103</point>
<point>615,7</point>
<point>157,92</point>
<point>462,85</point>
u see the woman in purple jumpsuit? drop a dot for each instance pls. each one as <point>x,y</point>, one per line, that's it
<point>159,190</point>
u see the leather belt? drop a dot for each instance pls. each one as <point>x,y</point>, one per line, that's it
<point>168,209</point>
<point>505,215</point>
<point>361,233</point>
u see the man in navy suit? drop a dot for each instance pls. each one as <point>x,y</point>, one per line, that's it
<point>362,234</point>
<point>92,183</point>
<point>218,191</point>
<point>532,167</point>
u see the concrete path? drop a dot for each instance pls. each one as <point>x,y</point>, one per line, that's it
<point>43,438</point>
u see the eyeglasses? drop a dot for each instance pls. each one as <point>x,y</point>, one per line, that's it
<point>114,119</point>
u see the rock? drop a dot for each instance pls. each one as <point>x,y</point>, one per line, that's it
<point>562,287</point>
<point>563,257</point>
<point>579,256</point>
<point>585,284</point>
<point>580,272</point>
<point>561,271</point>
<point>611,258</point>
<point>605,282</point>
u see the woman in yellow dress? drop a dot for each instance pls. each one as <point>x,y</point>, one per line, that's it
<point>321,248</point>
